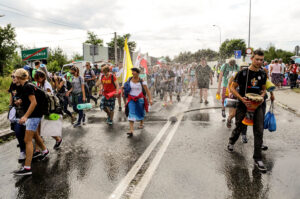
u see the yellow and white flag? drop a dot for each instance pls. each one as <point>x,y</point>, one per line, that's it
<point>127,63</point>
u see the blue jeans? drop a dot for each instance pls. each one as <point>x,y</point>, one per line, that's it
<point>20,134</point>
<point>65,105</point>
<point>77,99</point>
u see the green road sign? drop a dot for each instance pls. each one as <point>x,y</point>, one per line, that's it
<point>35,54</point>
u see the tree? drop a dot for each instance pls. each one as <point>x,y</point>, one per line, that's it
<point>56,59</point>
<point>121,42</point>
<point>77,56</point>
<point>93,39</point>
<point>53,66</point>
<point>229,46</point>
<point>8,45</point>
<point>188,57</point>
<point>272,53</point>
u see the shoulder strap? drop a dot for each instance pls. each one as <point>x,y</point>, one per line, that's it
<point>112,80</point>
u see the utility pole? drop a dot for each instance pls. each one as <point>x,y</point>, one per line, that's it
<point>249,25</point>
<point>116,49</point>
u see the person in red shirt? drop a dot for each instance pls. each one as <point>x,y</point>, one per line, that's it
<point>108,89</point>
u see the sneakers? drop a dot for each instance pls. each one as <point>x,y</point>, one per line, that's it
<point>230,147</point>
<point>36,155</point>
<point>109,121</point>
<point>206,102</point>
<point>22,157</point>
<point>83,119</point>
<point>260,165</point>
<point>244,139</point>
<point>44,155</point>
<point>57,144</point>
<point>23,172</point>
<point>77,124</point>
<point>178,98</point>
<point>264,147</point>
<point>223,113</point>
<point>201,100</point>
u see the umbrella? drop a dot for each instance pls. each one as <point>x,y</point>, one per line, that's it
<point>297,60</point>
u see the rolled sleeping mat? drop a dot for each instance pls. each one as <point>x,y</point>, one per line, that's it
<point>232,103</point>
<point>53,116</point>
<point>84,106</point>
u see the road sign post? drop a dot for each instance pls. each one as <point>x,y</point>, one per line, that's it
<point>35,54</point>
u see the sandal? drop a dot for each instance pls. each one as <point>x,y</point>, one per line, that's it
<point>130,134</point>
<point>141,127</point>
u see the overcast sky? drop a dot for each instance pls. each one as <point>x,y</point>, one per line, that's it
<point>160,27</point>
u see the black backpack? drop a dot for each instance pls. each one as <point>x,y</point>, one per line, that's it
<point>48,103</point>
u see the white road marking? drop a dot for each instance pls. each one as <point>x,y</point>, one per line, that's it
<point>123,185</point>
<point>140,188</point>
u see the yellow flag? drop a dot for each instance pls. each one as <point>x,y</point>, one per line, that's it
<point>127,63</point>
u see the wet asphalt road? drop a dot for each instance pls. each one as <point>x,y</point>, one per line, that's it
<point>94,159</point>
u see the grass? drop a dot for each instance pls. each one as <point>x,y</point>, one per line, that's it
<point>297,90</point>
<point>4,95</point>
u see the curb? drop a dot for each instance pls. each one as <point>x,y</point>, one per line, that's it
<point>285,107</point>
<point>5,134</point>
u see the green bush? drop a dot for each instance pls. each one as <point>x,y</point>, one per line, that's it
<point>4,95</point>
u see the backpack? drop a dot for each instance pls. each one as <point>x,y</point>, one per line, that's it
<point>225,74</point>
<point>112,79</point>
<point>127,87</point>
<point>48,103</point>
<point>91,82</point>
<point>86,88</point>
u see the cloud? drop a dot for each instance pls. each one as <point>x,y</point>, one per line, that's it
<point>159,27</point>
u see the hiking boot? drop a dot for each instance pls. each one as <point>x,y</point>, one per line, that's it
<point>244,139</point>
<point>260,165</point>
<point>23,172</point>
<point>230,147</point>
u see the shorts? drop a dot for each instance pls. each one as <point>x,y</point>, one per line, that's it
<point>203,84</point>
<point>108,103</point>
<point>32,124</point>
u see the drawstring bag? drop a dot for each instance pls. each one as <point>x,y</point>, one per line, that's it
<point>267,118</point>
<point>272,121</point>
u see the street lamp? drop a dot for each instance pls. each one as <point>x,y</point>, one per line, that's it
<point>249,25</point>
<point>220,33</point>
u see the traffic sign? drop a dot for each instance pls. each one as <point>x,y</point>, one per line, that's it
<point>249,51</point>
<point>35,54</point>
<point>237,54</point>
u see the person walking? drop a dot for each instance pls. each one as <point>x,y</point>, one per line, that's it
<point>78,95</point>
<point>192,77</point>
<point>32,119</point>
<point>203,76</point>
<point>275,70</point>
<point>250,80</point>
<point>137,102</point>
<point>294,70</point>
<point>109,89</point>
<point>226,72</point>
<point>89,78</point>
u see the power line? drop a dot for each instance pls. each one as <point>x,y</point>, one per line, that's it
<point>19,12</point>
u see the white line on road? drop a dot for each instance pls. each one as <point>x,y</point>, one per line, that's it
<point>118,192</point>
<point>140,188</point>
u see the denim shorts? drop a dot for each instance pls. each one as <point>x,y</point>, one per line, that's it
<point>32,124</point>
